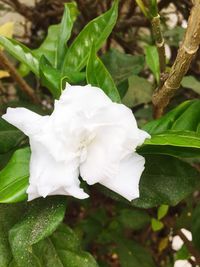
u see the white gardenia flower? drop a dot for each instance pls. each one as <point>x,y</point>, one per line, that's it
<point>86,134</point>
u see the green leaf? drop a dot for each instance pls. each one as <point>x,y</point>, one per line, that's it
<point>139,91</point>
<point>10,137</point>
<point>152,61</point>
<point>65,30</point>
<point>176,138</point>
<point>62,249</point>
<point>97,75</point>
<point>95,32</point>
<point>50,77</point>
<point>156,225</point>
<point>180,144</point>
<point>14,177</point>
<point>192,83</point>
<point>162,211</point>
<point>21,53</point>
<point>196,226</point>
<point>133,218</point>
<point>166,180</point>
<point>9,215</point>
<point>185,117</point>
<point>69,250</point>
<point>40,221</point>
<point>54,46</point>
<point>176,133</point>
<point>131,254</point>
<point>121,66</point>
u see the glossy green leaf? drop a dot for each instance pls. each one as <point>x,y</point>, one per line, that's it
<point>166,180</point>
<point>152,61</point>
<point>97,75</point>
<point>49,46</point>
<point>121,66</point>
<point>65,30</point>
<point>139,91</point>
<point>54,46</point>
<point>176,133</point>
<point>14,177</point>
<point>10,137</point>
<point>184,144</point>
<point>50,77</point>
<point>176,138</point>
<point>175,151</point>
<point>40,221</point>
<point>95,32</point>
<point>21,53</point>
<point>185,117</point>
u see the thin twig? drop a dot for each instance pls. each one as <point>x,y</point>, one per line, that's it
<point>5,63</point>
<point>182,62</point>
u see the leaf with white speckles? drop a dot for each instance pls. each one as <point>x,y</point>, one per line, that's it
<point>61,249</point>
<point>40,221</point>
<point>166,180</point>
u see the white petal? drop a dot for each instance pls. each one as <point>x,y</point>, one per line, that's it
<point>84,97</point>
<point>116,135</point>
<point>142,136</point>
<point>126,182</point>
<point>27,121</point>
<point>103,156</point>
<point>50,177</point>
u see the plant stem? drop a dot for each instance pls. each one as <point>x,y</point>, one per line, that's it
<point>151,13</point>
<point>186,52</point>
<point>6,64</point>
<point>159,40</point>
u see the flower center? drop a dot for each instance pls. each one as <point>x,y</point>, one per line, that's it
<point>84,144</point>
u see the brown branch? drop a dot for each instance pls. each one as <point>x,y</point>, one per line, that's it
<point>6,64</point>
<point>193,251</point>
<point>186,52</point>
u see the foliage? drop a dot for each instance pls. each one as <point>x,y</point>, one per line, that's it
<point>117,232</point>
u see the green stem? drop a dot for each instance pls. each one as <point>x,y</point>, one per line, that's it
<point>159,40</point>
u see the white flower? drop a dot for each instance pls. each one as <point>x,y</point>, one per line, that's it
<point>88,134</point>
<point>182,263</point>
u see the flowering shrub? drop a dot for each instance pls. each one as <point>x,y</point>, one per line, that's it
<point>90,145</point>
